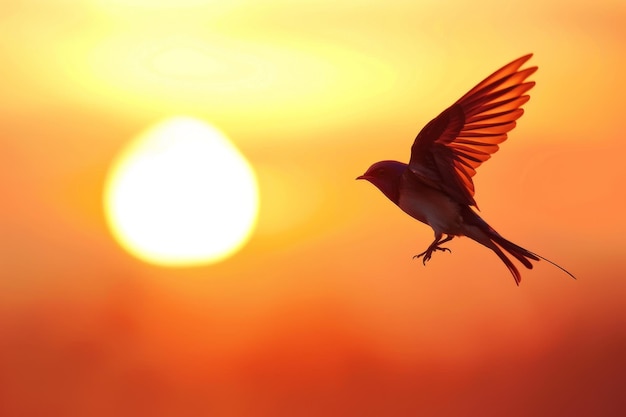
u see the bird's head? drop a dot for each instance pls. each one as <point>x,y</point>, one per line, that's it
<point>385,175</point>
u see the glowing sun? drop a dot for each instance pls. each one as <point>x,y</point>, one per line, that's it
<point>181,194</point>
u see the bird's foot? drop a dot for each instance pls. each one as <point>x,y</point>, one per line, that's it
<point>428,253</point>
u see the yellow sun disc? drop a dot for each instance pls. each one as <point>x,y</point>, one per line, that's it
<point>181,194</point>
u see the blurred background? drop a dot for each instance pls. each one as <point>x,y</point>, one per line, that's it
<point>323,312</point>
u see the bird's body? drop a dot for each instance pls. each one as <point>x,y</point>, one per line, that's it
<point>429,205</point>
<point>436,186</point>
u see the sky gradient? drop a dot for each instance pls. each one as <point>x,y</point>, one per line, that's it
<point>323,312</point>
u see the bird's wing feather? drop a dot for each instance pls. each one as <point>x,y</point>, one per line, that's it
<point>449,149</point>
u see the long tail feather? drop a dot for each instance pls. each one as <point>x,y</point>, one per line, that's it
<point>521,254</point>
<point>516,274</point>
<point>484,234</point>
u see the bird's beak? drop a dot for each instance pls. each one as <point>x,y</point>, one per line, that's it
<point>361,177</point>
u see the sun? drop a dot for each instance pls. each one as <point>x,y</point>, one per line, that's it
<point>181,194</point>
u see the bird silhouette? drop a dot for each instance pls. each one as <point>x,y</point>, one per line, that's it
<point>436,186</point>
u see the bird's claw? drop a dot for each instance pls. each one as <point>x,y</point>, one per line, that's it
<point>428,253</point>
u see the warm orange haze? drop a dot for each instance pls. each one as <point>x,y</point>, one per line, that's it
<point>307,302</point>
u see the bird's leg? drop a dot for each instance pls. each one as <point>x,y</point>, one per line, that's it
<point>434,247</point>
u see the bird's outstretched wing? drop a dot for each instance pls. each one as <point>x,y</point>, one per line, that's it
<point>447,151</point>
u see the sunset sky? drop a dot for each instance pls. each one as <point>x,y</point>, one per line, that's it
<point>323,312</point>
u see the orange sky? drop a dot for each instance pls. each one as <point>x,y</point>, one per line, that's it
<point>323,312</point>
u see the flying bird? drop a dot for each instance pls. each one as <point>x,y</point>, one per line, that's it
<point>436,186</point>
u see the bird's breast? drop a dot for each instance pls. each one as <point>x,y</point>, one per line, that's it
<point>430,206</point>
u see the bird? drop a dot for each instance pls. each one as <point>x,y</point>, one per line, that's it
<point>436,186</point>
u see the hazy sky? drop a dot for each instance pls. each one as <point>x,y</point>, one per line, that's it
<point>323,312</point>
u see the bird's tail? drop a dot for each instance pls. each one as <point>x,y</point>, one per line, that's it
<point>478,230</point>
<point>521,254</point>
